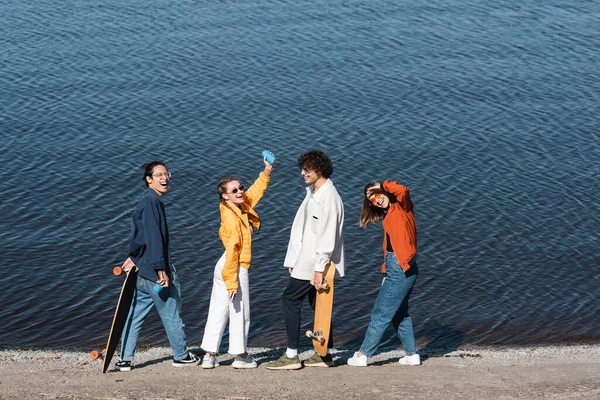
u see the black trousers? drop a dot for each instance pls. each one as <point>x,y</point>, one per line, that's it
<point>292,299</point>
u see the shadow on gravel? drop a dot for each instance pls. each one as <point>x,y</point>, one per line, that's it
<point>441,339</point>
<point>144,364</point>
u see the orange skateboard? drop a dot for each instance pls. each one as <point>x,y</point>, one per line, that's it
<point>323,310</point>
<point>119,319</point>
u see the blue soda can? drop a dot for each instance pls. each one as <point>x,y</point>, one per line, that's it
<point>270,157</point>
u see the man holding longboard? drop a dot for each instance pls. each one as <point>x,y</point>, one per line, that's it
<point>156,285</point>
<point>315,250</point>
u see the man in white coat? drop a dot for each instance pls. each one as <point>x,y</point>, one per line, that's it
<point>316,239</point>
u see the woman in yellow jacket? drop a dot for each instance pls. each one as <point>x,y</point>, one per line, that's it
<point>230,298</point>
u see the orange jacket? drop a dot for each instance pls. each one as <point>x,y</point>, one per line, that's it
<point>399,223</point>
<point>236,233</point>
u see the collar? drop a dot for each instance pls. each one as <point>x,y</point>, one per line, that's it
<point>317,196</point>
<point>239,211</point>
<point>152,193</point>
<point>236,210</point>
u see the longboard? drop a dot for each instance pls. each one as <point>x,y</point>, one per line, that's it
<point>120,317</point>
<point>323,310</point>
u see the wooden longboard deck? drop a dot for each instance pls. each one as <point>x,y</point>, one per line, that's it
<point>120,317</point>
<point>323,310</point>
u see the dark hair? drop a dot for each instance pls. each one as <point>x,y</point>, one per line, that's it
<point>148,168</point>
<point>370,213</point>
<point>316,160</point>
<point>222,187</point>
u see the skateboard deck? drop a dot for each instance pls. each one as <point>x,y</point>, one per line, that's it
<point>323,310</point>
<point>120,317</point>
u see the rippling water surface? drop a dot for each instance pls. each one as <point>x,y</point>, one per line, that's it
<point>487,111</point>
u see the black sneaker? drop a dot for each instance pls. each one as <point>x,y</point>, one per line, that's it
<point>190,359</point>
<point>123,366</point>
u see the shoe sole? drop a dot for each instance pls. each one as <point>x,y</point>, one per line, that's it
<point>357,365</point>
<point>319,365</point>
<point>208,366</point>
<point>123,369</point>
<point>192,364</point>
<point>245,366</point>
<point>409,365</point>
<point>286,367</point>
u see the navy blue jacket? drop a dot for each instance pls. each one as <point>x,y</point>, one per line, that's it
<point>149,241</point>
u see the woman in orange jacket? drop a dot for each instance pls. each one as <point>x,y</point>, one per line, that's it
<point>390,202</point>
<point>230,298</point>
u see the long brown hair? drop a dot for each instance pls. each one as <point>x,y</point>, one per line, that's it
<point>370,213</point>
<point>222,187</point>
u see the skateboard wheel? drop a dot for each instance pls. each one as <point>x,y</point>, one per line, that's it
<point>117,271</point>
<point>308,333</point>
<point>94,354</point>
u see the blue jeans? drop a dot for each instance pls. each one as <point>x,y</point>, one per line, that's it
<point>167,304</point>
<point>391,306</point>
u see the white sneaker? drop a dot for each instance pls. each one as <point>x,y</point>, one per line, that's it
<point>209,362</point>
<point>414,359</point>
<point>358,361</point>
<point>247,362</point>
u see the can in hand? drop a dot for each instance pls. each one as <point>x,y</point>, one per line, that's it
<point>269,156</point>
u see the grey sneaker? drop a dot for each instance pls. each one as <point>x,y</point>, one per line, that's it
<point>317,361</point>
<point>242,363</point>
<point>285,363</point>
<point>209,362</point>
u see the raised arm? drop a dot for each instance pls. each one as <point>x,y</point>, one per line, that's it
<point>400,192</point>
<point>258,188</point>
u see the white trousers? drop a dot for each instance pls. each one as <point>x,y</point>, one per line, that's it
<point>221,310</point>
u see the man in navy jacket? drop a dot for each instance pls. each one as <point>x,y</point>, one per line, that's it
<point>149,254</point>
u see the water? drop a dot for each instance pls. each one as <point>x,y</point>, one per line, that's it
<point>487,111</point>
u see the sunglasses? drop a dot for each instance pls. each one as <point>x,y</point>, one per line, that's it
<point>234,191</point>
<point>375,198</point>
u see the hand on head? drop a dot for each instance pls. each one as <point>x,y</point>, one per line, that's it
<point>376,188</point>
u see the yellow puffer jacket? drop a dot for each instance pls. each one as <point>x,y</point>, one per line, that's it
<point>235,231</point>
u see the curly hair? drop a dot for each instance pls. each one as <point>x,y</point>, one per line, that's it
<point>316,160</point>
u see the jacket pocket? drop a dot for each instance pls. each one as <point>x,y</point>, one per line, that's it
<point>314,224</point>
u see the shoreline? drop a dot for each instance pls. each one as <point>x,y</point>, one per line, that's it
<point>423,350</point>
<point>561,371</point>
<point>267,353</point>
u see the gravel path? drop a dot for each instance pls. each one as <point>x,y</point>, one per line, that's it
<point>570,372</point>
